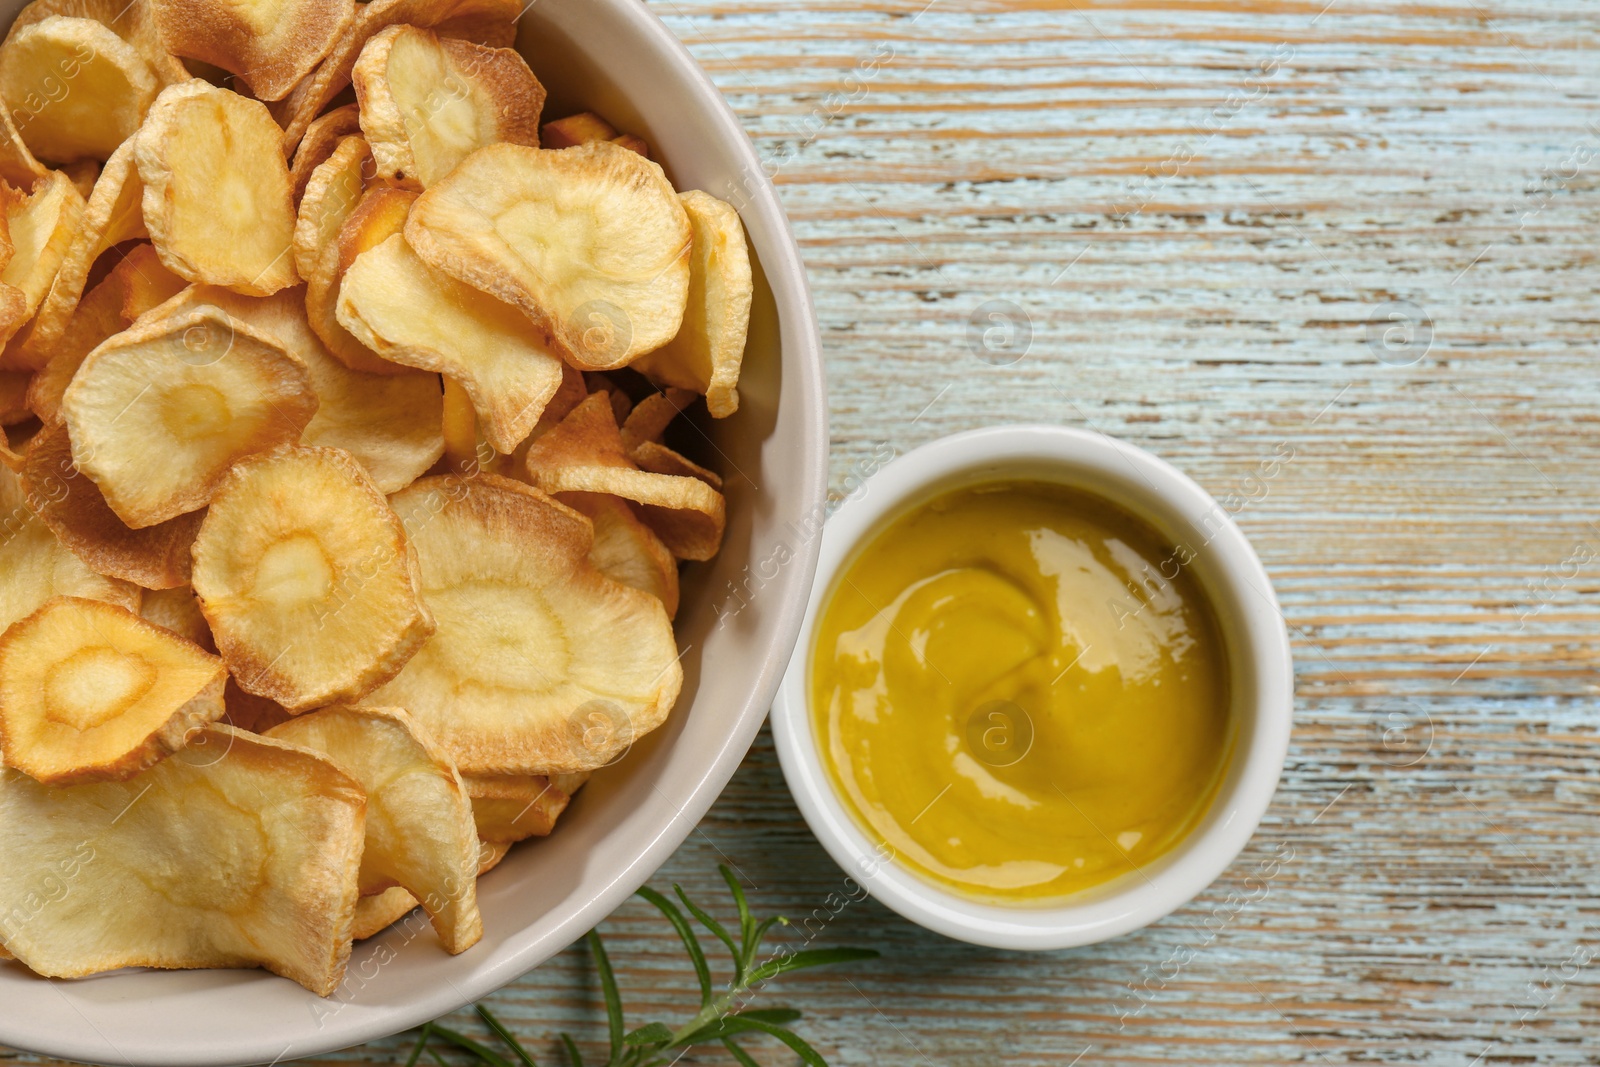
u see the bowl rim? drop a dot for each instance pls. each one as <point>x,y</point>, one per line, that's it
<point>1156,491</point>
<point>804,392</point>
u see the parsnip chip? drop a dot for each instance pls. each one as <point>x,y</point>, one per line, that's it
<point>657,458</point>
<point>411,314</point>
<point>380,215</point>
<point>18,166</point>
<point>508,808</point>
<point>584,454</point>
<point>238,852</point>
<point>159,412</point>
<point>334,194</point>
<point>389,423</point>
<point>626,550</point>
<point>135,285</point>
<point>649,418</point>
<point>76,90</point>
<point>590,242</point>
<point>177,609</point>
<point>621,402</point>
<point>112,215</point>
<point>577,129</point>
<point>270,46</point>
<point>420,833</point>
<point>307,579</point>
<point>35,566</point>
<point>570,782</point>
<point>128,19</point>
<point>707,352</point>
<point>586,127</point>
<point>42,227</point>
<point>217,199</point>
<point>147,282</point>
<point>539,663</point>
<point>633,143</point>
<point>427,103</point>
<point>376,914</point>
<point>92,692</point>
<point>460,429</point>
<point>490,22</point>
<point>322,137</point>
<point>154,557</point>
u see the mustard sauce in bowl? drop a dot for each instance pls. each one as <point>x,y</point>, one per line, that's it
<point>1022,691</point>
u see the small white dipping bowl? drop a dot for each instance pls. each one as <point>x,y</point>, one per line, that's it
<point>1261,682</point>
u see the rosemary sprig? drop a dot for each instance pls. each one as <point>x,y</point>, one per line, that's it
<point>721,1017</point>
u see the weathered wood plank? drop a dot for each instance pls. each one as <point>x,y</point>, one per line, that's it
<point>1197,208</point>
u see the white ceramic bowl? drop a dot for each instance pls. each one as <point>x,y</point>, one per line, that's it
<point>1261,678</point>
<point>614,57</point>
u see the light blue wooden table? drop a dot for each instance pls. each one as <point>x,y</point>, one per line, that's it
<point>1337,260</point>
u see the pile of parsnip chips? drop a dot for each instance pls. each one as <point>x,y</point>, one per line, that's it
<point>335,555</point>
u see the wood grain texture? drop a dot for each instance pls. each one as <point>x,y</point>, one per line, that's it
<point>1197,214</point>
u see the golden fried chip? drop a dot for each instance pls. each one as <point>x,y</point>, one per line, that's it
<point>380,215</point>
<point>332,192</point>
<point>42,226</point>
<point>490,22</point>
<point>411,314</point>
<point>18,167</point>
<point>389,423</point>
<point>508,808</point>
<point>217,199</point>
<point>322,137</point>
<point>35,566</point>
<point>577,129</point>
<point>270,46</point>
<point>657,458</point>
<point>177,609</point>
<point>376,914</point>
<point>307,579</point>
<point>570,782</point>
<point>460,429</point>
<point>585,127</point>
<point>112,215</point>
<point>128,19</point>
<point>590,242</point>
<point>136,284</point>
<point>154,557</point>
<point>649,418</point>
<point>420,834</point>
<point>584,454</point>
<point>427,103</point>
<point>76,90</point>
<point>92,692</point>
<point>539,663</point>
<point>626,550</point>
<point>334,195</point>
<point>709,349</point>
<point>621,402</point>
<point>147,281</point>
<point>633,143</point>
<point>238,851</point>
<point>159,412</point>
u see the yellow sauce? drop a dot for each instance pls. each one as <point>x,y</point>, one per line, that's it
<point>1022,691</point>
